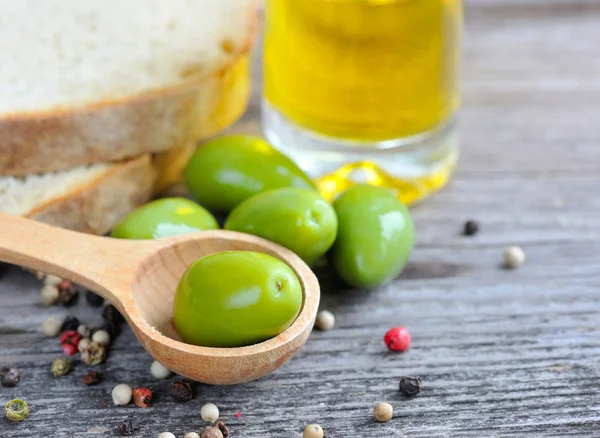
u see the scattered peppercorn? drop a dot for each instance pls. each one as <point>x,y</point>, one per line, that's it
<point>383,412</point>
<point>112,329</point>
<point>325,320</point>
<point>101,337</point>
<point>126,427</point>
<point>211,432</point>
<point>69,349</point>
<point>218,430</point>
<point>410,385</point>
<point>61,366</point>
<point>142,397</point>
<point>94,354</point>
<point>92,378</point>
<point>70,323</point>
<point>68,293</point>
<point>9,377</point>
<point>514,256</point>
<point>51,327</point>
<point>83,330</point>
<point>397,339</point>
<point>16,410</point>
<point>93,299</point>
<point>470,228</point>
<point>159,371</point>
<point>69,341</point>
<point>121,394</point>
<point>84,344</point>
<point>181,391</point>
<point>49,294</point>
<point>238,415</point>
<point>52,280</point>
<point>313,431</point>
<point>111,315</point>
<point>209,412</point>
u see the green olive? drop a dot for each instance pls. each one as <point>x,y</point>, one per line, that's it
<point>298,219</point>
<point>375,236</point>
<point>226,171</point>
<point>163,218</point>
<point>236,298</point>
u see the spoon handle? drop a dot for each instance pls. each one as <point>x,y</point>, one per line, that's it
<point>103,264</point>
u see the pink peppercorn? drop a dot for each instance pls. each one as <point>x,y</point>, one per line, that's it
<point>142,397</point>
<point>69,349</point>
<point>397,339</point>
<point>69,341</point>
<point>70,337</point>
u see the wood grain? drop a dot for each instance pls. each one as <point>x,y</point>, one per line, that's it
<point>501,353</point>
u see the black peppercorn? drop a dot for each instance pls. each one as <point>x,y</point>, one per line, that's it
<point>3,268</point>
<point>410,385</point>
<point>181,391</point>
<point>126,427</point>
<point>470,228</point>
<point>91,378</point>
<point>111,315</point>
<point>9,377</point>
<point>70,323</point>
<point>93,299</point>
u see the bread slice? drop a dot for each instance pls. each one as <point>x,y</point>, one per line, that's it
<point>85,81</point>
<point>94,198</point>
<point>90,199</point>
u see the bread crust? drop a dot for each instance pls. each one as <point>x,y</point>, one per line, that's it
<point>102,202</point>
<point>107,131</point>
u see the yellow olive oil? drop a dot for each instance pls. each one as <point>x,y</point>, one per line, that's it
<point>366,72</point>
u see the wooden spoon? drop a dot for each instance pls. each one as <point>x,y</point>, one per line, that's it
<point>140,278</point>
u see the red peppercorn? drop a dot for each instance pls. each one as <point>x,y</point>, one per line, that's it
<point>69,341</point>
<point>69,349</point>
<point>70,337</point>
<point>142,397</point>
<point>397,339</point>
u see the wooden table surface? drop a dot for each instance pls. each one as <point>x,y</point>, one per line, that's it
<point>501,353</point>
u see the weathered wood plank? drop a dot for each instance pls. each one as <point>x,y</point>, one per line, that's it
<point>502,353</point>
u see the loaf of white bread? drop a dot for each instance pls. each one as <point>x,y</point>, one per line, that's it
<point>103,102</point>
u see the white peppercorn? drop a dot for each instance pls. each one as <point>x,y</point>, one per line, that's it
<point>514,256</point>
<point>166,435</point>
<point>313,431</point>
<point>52,280</point>
<point>101,337</point>
<point>121,394</point>
<point>209,412</point>
<point>159,371</point>
<point>49,294</point>
<point>84,344</point>
<point>325,320</point>
<point>191,435</point>
<point>383,412</point>
<point>51,327</point>
<point>83,330</point>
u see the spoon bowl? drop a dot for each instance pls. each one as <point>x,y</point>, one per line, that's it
<point>140,279</point>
